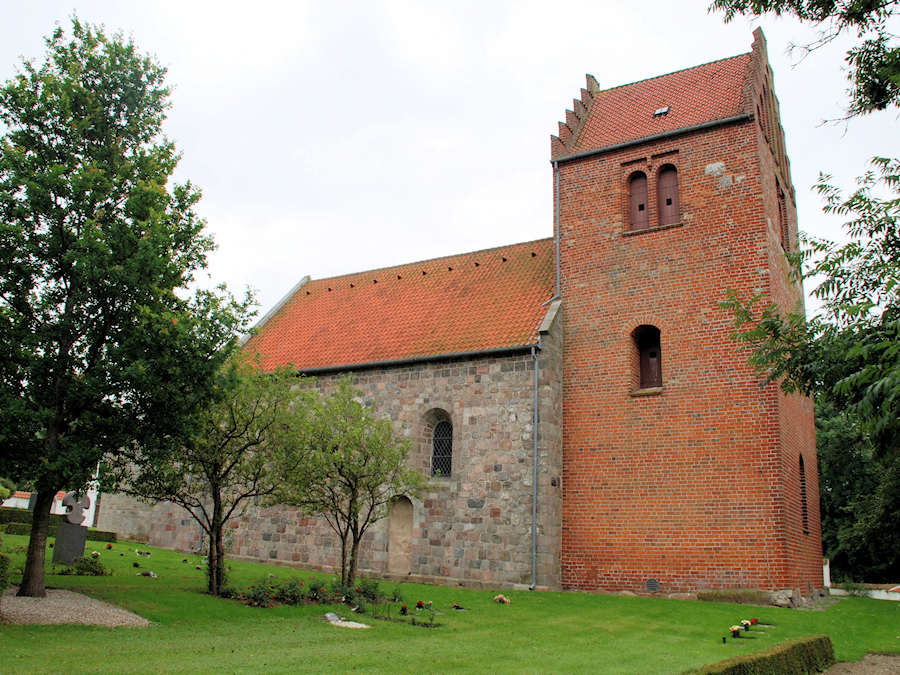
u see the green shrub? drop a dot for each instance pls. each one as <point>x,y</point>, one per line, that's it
<point>100,535</point>
<point>19,528</point>
<point>261,594</point>
<point>292,592</point>
<point>809,654</point>
<point>738,596</point>
<point>84,567</point>
<point>9,515</point>
<point>857,590</point>
<point>5,571</point>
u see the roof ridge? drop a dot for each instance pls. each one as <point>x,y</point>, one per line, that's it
<point>674,72</point>
<point>432,260</point>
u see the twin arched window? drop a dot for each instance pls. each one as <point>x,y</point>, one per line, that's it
<point>668,210</point>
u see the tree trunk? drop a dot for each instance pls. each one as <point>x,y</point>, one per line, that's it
<point>354,557</point>
<point>33,578</point>
<point>216,567</point>
<point>344,570</point>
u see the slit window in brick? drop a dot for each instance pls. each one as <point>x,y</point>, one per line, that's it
<point>639,214</point>
<point>804,509</point>
<point>647,341</point>
<point>667,187</point>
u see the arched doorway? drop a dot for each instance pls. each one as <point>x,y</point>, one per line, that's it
<point>400,537</point>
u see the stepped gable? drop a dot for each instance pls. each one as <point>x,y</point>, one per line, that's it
<point>707,93</point>
<point>463,303</point>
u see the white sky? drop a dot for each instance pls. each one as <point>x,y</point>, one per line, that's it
<point>335,137</point>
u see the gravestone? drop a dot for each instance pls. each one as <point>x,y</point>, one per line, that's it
<point>71,535</point>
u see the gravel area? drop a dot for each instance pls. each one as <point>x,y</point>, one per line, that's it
<point>873,664</point>
<point>65,607</point>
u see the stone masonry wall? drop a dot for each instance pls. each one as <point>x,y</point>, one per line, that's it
<point>474,528</point>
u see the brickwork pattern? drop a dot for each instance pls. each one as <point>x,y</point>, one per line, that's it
<point>696,485</point>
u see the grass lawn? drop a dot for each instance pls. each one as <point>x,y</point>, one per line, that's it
<point>538,633</point>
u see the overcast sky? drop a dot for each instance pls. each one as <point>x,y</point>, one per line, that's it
<point>333,137</point>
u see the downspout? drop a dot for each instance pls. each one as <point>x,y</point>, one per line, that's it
<point>556,218</point>
<point>534,475</point>
<point>558,234</point>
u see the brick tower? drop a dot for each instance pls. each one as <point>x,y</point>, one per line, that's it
<point>680,471</point>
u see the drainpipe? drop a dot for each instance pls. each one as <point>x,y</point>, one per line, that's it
<point>556,219</point>
<point>558,234</point>
<point>534,475</point>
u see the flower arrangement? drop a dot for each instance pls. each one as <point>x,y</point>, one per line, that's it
<point>95,554</point>
<point>109,547</point>
<point>502,599</point>
<point>745,624</point>
<point>735,631</point>
<point>404,610</point>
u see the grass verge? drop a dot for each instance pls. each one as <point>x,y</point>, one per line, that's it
<point>537,633</point>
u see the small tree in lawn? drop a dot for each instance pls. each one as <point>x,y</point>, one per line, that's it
<point>239,446</point>
<point>100,345</point>
<point>354,470</point>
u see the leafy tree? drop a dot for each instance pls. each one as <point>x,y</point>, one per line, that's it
<point>354,471</point>
<point>230,457</point>
<point>851,350</point>
<point>100,346</point>
<point>846,471</point>
<point>848,356</point>
<point>874,65</point>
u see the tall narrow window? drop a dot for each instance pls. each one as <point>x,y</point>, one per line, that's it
<point>637,201</point>
<point>782,219</point>
<point>667,187</point>
<point>442,449</point>
<point>647,341</point>
<point>804,511</point>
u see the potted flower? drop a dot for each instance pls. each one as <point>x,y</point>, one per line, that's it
<point>745,624</point>
<point>735,631</point>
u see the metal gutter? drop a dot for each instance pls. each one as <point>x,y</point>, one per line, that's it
<point>656,137</point>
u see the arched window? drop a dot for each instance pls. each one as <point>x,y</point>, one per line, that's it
<point>442,449</point>
<point>647,343</point>
<point>804,510</point>
<point>667,190</point>
<point>637,201</point>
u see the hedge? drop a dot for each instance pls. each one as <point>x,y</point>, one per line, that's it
<point>19,528</point>
<point>5,571</point>
<point>100,535</point>
<point>807,655</point>
<point>10,515</point>
<point>92,535</point>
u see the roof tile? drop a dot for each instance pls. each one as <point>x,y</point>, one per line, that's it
<point>707,93</point>
<point>463,303</point>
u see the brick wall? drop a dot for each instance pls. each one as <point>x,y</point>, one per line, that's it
<point>697,485</point>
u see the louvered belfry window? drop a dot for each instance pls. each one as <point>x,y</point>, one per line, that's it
<point>442,449</point>
<point>667,185</point>
<point>639,214</point>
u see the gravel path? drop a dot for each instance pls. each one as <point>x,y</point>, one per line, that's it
<point>65,607</point>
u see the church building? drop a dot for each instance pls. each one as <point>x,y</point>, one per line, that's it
<point>585,418</point>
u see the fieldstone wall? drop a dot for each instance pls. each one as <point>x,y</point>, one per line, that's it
<point>474,527</point>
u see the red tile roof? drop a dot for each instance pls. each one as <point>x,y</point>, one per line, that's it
<point>707,93</point>
<point>463,303</point>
